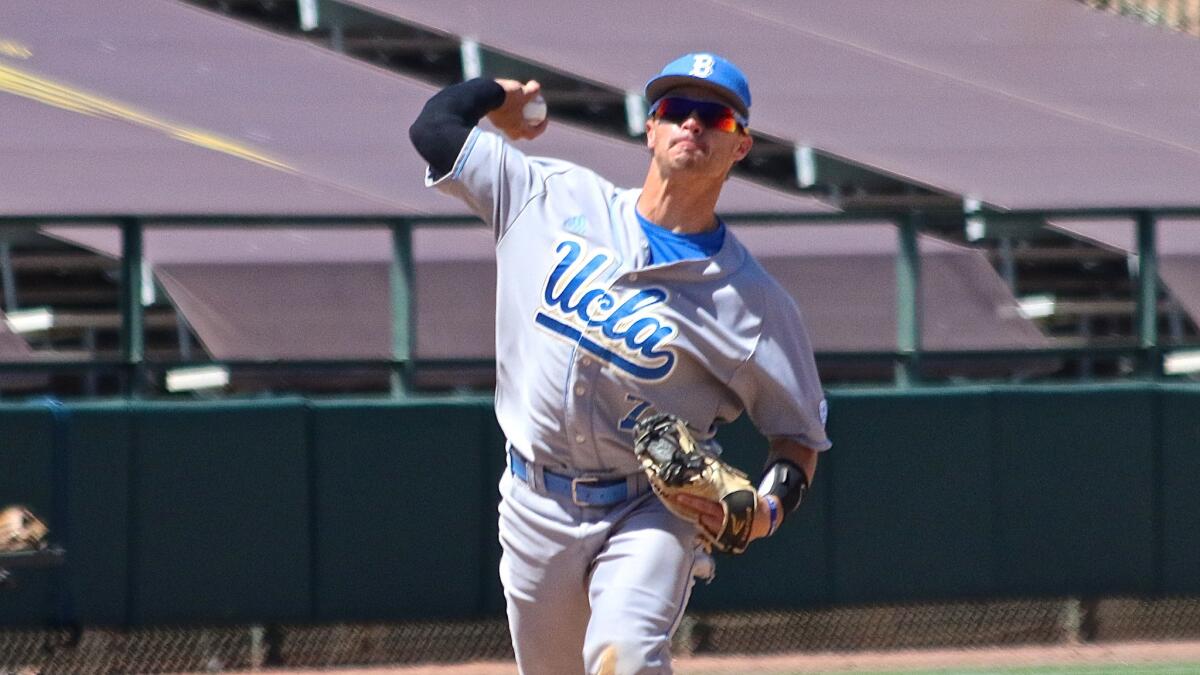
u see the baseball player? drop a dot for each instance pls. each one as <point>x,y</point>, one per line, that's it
<point>613,304</point>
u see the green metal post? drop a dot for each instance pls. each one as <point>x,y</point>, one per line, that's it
<point>133,345</point>
<point>8,277</point>
<point>402,287</point>
<point>1147,300</point>
<point>908,305</point>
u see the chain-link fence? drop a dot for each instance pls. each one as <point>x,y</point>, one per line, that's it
<point>378,644</point>
<point>843,629</point>
<point>1181,15</point>
<point>158,650</point>
<point>877,628</point>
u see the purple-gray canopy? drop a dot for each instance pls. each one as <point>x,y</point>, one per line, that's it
<point>167,109</point>
<point>254,294</point>
<point>1020,104</point>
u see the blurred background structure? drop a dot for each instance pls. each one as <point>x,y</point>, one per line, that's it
<point>1180,15</point>
<point>896,111</point>
<point>216,248</point>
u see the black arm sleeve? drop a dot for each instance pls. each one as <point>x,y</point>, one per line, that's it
<point>445,122</point>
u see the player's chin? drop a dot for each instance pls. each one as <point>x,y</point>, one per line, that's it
<point>689,160</point>
<point>689,152</point>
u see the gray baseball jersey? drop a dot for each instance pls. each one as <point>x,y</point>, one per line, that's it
<point>588,336</point>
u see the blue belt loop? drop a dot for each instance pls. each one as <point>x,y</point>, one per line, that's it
<point>521,469</point>
<point>581,490</point>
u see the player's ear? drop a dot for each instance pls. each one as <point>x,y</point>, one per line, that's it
<point>649,134</point>
<point>743,148</point>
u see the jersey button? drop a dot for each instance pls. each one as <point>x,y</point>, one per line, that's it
<point>585,362</point>
<point>580,390</point>
<point>580,438</point>
<point>633,277</point>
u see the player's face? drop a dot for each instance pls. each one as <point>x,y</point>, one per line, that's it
<point>701,140</point>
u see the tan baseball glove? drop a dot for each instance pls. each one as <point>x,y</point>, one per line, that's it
<point>20,530</point>
<point>677,464</point>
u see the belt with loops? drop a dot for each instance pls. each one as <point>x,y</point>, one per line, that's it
<point>581,490</point>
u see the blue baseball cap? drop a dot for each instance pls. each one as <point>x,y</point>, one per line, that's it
<point>705,70</point>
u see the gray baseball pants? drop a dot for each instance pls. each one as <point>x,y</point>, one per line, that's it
<point>579,578</point>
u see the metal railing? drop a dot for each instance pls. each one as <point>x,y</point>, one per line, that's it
<point>906,359</point>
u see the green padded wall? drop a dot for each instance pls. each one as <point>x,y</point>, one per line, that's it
<point>221,511</point>
<point>1180,476</point>
<point>400,510</point>
<point>911,494</point>
<point>1075,472</point>
<point>495,462</point>
<point>27,433</point>
<point>99,436</point>
<point>342,510</point>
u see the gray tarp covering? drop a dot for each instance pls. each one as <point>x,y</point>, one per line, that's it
<point>71,163</point>
<point>118,108</point>
<point>1113,71</point>
<point>91,132</point>
<point>340,126</point>
<point>251,295</point>
<point>898,86</point>
<point>1181,274</point>
<point>965,305</point>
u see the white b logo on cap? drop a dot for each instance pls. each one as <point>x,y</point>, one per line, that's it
<point>702,65</point>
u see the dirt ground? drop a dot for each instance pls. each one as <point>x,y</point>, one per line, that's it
<point>1131,654</point>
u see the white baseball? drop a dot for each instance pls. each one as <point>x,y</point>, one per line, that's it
<point>534,111</point>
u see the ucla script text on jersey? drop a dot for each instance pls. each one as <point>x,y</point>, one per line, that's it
<point>587,332</point>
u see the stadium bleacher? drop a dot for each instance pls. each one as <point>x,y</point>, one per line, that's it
<point>935,122</point>
<point>1178,256</point>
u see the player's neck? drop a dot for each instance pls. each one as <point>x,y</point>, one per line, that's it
<point>683,205</point>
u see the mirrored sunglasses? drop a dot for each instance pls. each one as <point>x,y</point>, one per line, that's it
<point>712,115</point>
